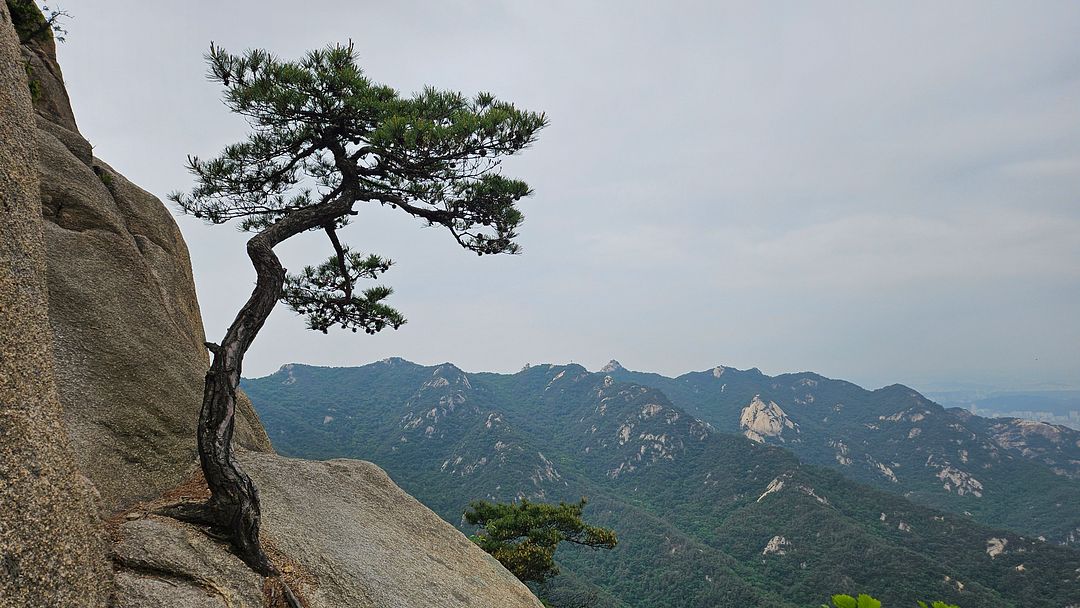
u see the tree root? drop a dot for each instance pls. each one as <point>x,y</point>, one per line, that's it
<point>201,514</point>
<point>225,524</point>
<point>193,513</point>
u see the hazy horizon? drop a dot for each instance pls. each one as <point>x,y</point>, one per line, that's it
<point>877,194</point>
<point>925,388</point>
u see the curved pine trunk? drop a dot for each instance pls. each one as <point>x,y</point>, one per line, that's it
<point>234,500</point>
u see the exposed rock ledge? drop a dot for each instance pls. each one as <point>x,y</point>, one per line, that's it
<point>354,538</point>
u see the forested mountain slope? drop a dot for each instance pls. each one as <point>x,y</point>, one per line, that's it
<point>704,518</point>
<point>1004,472</point>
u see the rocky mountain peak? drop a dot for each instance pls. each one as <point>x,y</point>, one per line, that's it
<point>448,374</point>
<point>612,366</point>
<point>658,462</point>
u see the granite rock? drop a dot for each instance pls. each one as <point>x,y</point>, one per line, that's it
<point>51,538</point>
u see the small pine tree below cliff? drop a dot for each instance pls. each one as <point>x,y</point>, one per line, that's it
<point>523,535</point>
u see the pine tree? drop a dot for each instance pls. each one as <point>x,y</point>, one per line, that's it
<point>523,535</point>
<point>325,143</point>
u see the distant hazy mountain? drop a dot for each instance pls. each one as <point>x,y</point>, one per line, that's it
<point>1006,472</point>
<point>705,518</point>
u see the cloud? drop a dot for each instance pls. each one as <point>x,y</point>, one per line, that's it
<point>732,182</point>
<point>870,251</point>
<point>1045,168</point>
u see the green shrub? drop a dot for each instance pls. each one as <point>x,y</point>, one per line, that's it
<point>865,601</point>
<point>35,86</point>
<point>846,601</point>
<point>523,535</point>
<point>36,23</point>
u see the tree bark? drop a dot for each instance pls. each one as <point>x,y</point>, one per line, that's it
<point>233,507</point>
<point>234,499</point>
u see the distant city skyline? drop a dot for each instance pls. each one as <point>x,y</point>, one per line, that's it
<point>882,194</point>
<point>1070,419</point>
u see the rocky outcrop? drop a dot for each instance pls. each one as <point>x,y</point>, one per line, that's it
<point>996,546</point>
<point>777,545</point>
<point>348,538</point>
<point>125,319</point>
<point>611,367</point>
<point>51,539</point>
<point>161,562</point>
<point>1054,445</point>
<point>760,420</point>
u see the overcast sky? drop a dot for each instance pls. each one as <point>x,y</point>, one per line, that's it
<point>880,193</point>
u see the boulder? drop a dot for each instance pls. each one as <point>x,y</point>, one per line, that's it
<point>345,535</point>
<point>163,563</point>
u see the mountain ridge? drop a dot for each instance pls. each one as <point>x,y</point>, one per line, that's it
<point>775,529</point>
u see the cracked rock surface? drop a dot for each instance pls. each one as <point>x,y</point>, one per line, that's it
<point>161,562</point>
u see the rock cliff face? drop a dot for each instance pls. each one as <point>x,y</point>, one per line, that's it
<point>51,539</point>
<point>127,331</point>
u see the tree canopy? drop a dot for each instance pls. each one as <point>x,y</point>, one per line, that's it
<point>523,535</point>
<point>325,137</point>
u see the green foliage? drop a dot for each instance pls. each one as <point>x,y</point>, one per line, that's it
<point>34,23</point>
<point>325,139</point>
<point>33,83</point>
<point>865,601</point>
<point>318,293</point>
<point>104,176</point>
<point>523,535</point>
<point>434,155</point>
<point>846,601</point>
